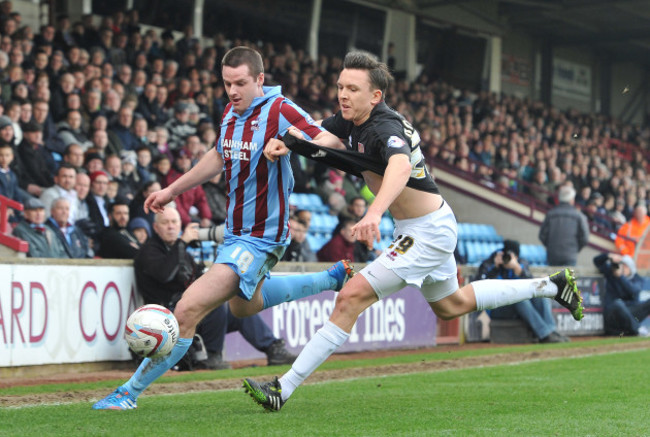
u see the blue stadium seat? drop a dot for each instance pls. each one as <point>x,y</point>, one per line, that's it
<point>386,227</point>
<point>318,223</point>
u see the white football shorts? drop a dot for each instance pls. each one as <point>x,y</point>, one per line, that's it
<point>421,255</point>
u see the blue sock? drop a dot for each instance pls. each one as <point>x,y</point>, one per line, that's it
<point>279,289</point>
<point>151,370</point>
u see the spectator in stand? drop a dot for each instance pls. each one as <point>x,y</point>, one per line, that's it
<point>564,231</point>
<point>623,312</point>
<point>117,241</point>
<point>140,228</point>
<point>191,199</point>
<point>93,162</point>
<point>43,243</point>
<point>355,210</point>
<point>120,133</point>
<point>299,249</point>
<point>8,179</point>
<point>74,156</point>
<point>536,312</point>
<point>43,117</point>
<point>82,187</point>
<point>179,127</point>
<point>143,165</point>
<point>34,159</point>
<point>136,208</point>
<point>341,245</point>
<point>98,203</point>
<point>629,234</point>
<point>304,216</point>
<point>72,238</point>
<point>64,186</point>
<point>217,197</point>
<point>69,131</point>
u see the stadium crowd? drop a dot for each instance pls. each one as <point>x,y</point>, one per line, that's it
<point>104,115</point>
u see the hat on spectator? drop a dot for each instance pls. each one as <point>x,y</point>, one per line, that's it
<point>90,156</point>
<point>32,126</point>
<point>181,153</point>
<point>4,121</point>
<point>629,262</point>
<point>94,175</point>
<point>129,157</point>
<point>139,222</point>
<point>167,34</point>
<point>181,107</point>
<point>33,203</point>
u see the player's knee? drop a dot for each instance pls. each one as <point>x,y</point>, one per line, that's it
<point>353,301</point>
<point>445,314</point>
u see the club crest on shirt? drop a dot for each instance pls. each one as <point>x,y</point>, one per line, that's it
<point>255,124</point>
<point>360,147</point>
<point>395,142</point>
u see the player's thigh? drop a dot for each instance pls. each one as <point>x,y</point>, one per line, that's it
<point>212,289</point>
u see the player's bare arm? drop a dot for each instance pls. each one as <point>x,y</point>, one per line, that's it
<point>208,167</point>
<point>398,172</point>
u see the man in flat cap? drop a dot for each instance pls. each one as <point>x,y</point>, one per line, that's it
<point>43,243</point>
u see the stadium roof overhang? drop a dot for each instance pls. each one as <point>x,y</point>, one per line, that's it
<point>617,29</point>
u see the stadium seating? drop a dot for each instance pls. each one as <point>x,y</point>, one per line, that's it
<point>477,241</point>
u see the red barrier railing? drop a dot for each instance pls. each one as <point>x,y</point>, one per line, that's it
<point>5,238</point>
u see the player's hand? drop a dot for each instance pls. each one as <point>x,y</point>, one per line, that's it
<point>157,200</point>
<point>367,229</point>
<point>191,233</point>
<point>294,131</point>
<point>274,149</point>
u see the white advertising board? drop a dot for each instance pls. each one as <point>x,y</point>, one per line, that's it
<point>64,314</point>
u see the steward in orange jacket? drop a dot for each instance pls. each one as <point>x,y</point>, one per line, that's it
<point>633,229</point>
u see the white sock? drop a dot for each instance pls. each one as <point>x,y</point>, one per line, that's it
<point>494,293</point>
<point>326,340</point>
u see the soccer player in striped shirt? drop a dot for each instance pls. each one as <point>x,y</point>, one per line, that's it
<point>257,231</point>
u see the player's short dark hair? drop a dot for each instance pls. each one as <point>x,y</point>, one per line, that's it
<point>380,77</point>
<point>244,55</point>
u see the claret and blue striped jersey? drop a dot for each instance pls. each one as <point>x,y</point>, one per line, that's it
<point>258,190</point>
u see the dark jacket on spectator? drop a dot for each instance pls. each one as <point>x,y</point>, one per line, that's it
<point>162,270</point>
<point>118,243</point>
<point>35,165</point>
<point>564,233</point>
<point>124,136</point>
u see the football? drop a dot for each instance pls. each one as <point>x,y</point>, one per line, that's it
<point>151,331</point>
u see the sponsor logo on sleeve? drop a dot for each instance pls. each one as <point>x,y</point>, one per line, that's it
<point>396,142</point>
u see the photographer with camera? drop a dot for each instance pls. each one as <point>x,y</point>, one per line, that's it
<point>536,312</point>
<point>164,269</point>
<point>622,310</point>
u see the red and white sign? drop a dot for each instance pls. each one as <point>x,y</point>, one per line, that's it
<point>64,314</point>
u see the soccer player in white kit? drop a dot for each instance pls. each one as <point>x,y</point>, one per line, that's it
<point>421,254</point>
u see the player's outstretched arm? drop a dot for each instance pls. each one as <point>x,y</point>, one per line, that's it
<point>398,172</point>
<point>208,167</point>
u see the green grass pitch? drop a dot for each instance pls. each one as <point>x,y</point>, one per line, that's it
<point>601,395</point>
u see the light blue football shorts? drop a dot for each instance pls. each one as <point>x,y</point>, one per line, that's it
<point>252,260</point>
